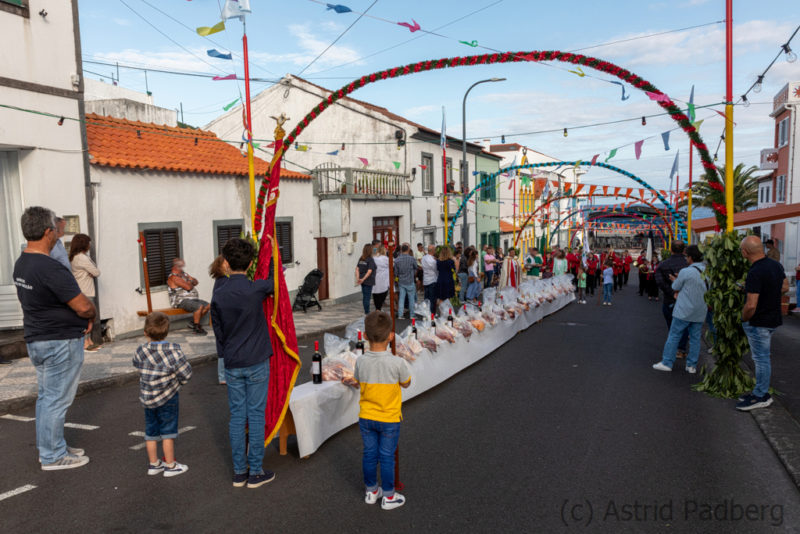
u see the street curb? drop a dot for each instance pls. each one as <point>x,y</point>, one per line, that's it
<point>783,434</point>
<point>12,405</point>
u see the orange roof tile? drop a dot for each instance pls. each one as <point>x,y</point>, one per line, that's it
<point>507,227</point>
<point>139,145</point>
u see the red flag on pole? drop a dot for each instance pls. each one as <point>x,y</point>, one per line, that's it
<point>285,362</point>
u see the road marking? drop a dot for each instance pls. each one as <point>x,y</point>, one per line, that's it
<point>81,427</point>
<point>18,418</point>
<point>21,489</point>
<point>142,445</point>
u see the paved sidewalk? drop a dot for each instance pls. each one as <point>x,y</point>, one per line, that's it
<point>111,365</point>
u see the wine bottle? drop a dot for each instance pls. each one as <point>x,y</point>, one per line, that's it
<point>450,318</point>
<point>414,327</point>
<point>433,322</point>
<point>316,365</point>
<point>359,345</point>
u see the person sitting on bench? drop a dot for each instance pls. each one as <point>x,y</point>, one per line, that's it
<point>183,295</point>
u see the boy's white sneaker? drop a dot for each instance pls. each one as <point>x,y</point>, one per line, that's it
<point>661,367</point>
<point>175,470</point>
<point>395,501</point>
<point>156,468</point>
<point>373,496</point>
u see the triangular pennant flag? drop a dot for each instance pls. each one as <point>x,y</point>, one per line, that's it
<point>219,55</point>
<point>605,190</point>
<point>624,96</point>
<point>592,189</point>
<point>567,186</point>
<point>365,161</point>
<point>396,165</point>
<point>628,193</point>
<point>658,97</point>
<point>206,30</point>
<point>697,124</point>
<point>637,148</point>
<point>663,193</point>
<point>510,184</point>
<point>334,153</point>
<point>228,77</point>
<point>339,8</point>
<point>616,191</point>
<point>691,109</point>
<point>412,27</point>
<point>302,148</point>
<point>665,138</point>
<point>578,188</point>
<point>594,158</point>
<point>229,106</point>
<point>611,154</point>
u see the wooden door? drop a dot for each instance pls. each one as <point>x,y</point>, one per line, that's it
<point>381,227</point>
<point>322,265</point>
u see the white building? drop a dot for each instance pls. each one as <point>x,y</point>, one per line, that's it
<point>373,171</point>
<point>42,151</point>
<point>188,193</point>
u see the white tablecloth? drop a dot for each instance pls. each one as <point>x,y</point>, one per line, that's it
<point>322,410</point>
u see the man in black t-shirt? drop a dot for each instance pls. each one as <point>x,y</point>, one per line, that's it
<point>56,316</point>
<point>761,315</point>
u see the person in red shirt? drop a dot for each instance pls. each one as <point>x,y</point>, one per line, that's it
<point>619,270</point>
<point>572,265</point>
<point>641,260</point>
<point>627,260</point>
<point>591,273</point>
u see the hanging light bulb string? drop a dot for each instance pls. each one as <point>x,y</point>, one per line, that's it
<point>791,57</point>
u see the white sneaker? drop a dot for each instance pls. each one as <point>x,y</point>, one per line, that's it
<point>395,501</point>
<point>691,370</point>
<point>156,468</point>
<point>175,470</point>
<point>661,367</point>
<point>372,496</point>
<point>66,462</point>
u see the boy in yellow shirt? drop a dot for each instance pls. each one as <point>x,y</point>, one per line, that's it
<point>380,375</point>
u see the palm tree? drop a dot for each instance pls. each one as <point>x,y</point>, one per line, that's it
<point>745,190</point>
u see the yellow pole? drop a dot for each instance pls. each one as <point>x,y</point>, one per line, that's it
<point>251,171</point>
<point>729,165</point>
<point>689,219</point>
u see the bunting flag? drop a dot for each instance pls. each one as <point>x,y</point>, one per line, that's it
<point>697,124</point>
<point>510,184</point>
<point>674,168</point>
<point>658,97</point>
<point>663,193</point>
<point>208,30</point>
<point>721,114</point>
<point>229,106</point>
<point>622,85</point>
<point>578,188</point>
<point>365,161</point>
<point>641,194</point>
<point>605,190</point>
<point>637,148</point>
<point>421,166</point>
<point>396,165</point>
<point>473,44</point>
<point>526,180</point>
<point>579,72</point>
<point>594,159</point>
<point>691,105</point>
<point>616,191</point>
<point>228,77</point>
<point>611,154</point>
<point>334,153</point>
<point>592,189</point>
<point>339,8</point>
<point>411,27</point>
<point>302,148</point>
<point>271,145</point>
<point>219,55</point>
<point>567,187</point>
<point>628,193</point>
<point>665,138</point>
<point>235,8</point>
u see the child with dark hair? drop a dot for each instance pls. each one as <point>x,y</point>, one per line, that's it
<point>237,315</point>
<point>163,369</point>
<point>380,375</point>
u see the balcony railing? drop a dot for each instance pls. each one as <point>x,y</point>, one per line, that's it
<point>331,180</point>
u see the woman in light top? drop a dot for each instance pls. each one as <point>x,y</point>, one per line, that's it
<point>85,271</point>
<point>381,288</point>
<point>559,263</point>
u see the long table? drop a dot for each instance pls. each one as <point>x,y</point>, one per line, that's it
<point>318,411</point>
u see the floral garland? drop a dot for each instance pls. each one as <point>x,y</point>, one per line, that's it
<point>507,57</point>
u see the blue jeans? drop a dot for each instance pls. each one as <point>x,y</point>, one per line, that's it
<point>677,331</point>
<point>607,289</point>
<point>430,295</point>
<point>489,279</point>
<point>58,368</point>
<point>474,290</point>
<point>759,338</point>
<point>366,294</point>
<point>162,422</point>
<point>666,309</point>
<point>411,291</point>
<point>247,400</point>
<point>463,280</point>
<point>380,442</point>
<point>220,370</point>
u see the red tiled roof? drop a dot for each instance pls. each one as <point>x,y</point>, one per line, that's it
<point>507,227</point>
<point>139,145</point>
<point>752,217</point>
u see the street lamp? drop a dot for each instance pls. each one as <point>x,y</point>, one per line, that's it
<point>464,175</point>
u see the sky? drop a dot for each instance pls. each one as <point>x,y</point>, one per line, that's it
<point>286,37</point>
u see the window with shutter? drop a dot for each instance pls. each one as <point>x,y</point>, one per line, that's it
<point>162,247</point>
<point>283,233</point>
<point>226,232</point>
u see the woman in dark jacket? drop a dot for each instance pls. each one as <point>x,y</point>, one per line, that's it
<point>447,268</point>
<point>365,275</point>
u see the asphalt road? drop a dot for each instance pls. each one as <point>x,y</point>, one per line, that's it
<point>566,427</point>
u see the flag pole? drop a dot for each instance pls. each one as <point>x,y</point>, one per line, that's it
<point>729,114</point>
<point>443,142</point>
<point>251,171</point>
<point>689,212</point>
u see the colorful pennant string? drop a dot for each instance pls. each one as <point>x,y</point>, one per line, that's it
<point>228,77</point>
<point>579,72</point>
<point>229,106</point>
<point>396,165</point>
<point>209,30</point>
<point>473,44</point>
<point>219,55</point>
<point>665,138</point>
<point>365,161</point>
<point>611,154</point>
<point>334,153</point>
<point>339,8</point>
<point>637,148</point>
<point>411,27</point>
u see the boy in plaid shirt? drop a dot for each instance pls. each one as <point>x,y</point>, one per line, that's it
<point>163,369</point>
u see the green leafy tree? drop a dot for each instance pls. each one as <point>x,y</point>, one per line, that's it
<point>745,190</point>
<point>725,275</point>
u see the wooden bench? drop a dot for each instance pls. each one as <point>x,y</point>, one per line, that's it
<point>165,311</point>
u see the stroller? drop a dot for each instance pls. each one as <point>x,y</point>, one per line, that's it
<point>307,294</point>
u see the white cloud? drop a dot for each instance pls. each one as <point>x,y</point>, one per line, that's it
<point>171,60</point>
<point>420,111</point>
<point>310,45</point>
<point>122,22</point>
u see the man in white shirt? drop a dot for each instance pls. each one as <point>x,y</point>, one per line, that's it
<point>419,253</point>
<point>59,252</point>
<point>430,274</point>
